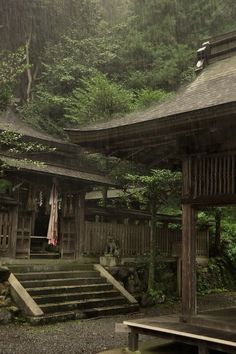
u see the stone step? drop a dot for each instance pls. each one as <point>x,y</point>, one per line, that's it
<point>57,275</point>
<point>66,297</point>
<point>51,318</point>
<point>52,266</point>
<point>82,304</point>
<point>69,289</point>
<point>65,282</point>
<point>54,318</point>
<point>111,310</point>
<point>46,255</point>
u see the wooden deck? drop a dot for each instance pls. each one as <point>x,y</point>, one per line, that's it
<point>224,319</point>
<point>212,330</point>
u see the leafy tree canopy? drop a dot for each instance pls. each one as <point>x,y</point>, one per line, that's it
<point>12,66</point>
<point>141,46</point>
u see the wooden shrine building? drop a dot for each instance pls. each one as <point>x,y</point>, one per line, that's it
<point>24,203</point>
<point>194,131</point>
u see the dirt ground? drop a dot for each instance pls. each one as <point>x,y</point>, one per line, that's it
<point>88,336</point>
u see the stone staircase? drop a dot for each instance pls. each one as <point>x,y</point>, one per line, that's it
<point>70,291</point>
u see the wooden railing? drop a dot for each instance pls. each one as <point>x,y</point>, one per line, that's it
<point>213,175</point>
<point>134,240</point>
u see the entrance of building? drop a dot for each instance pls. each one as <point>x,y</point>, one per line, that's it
<point>39,245</point>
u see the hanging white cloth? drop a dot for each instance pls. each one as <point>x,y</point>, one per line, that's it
<point>52,235</point>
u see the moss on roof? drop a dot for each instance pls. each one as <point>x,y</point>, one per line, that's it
<point>216,85</point>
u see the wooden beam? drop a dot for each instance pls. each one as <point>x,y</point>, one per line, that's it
<point>207,201</point>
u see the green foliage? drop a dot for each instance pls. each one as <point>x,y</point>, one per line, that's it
<point>12,65</point>
<point>217,276</point>
<point>98,99</point>
<point>157,295</point>
<point>228,237</point>
<point>5,185</point>
<point>46,111</point>
<point>143,47</point>
<point>158,189</point>
<point>12,142</point>
<point>147,97</point>
<point>165,285</point>
<point>152,192</point>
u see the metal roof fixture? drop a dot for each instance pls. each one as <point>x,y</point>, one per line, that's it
<point>202,56</point>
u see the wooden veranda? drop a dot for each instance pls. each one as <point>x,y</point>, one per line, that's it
<point>194,131</point>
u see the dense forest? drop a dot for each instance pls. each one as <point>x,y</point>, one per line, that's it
<point>73,62</point>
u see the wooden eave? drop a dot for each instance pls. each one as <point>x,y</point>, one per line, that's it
<point>9,120</point>
<point>18,165</point>
<point>210,100</point>
<point>160,135</point>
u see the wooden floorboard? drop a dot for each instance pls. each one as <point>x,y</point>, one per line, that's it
<point>170,327</point>
<point>223,319</point>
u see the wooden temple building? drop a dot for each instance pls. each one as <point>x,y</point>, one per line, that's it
<point>83,229</point>
<point>194,131</point>
<point>24,205</point>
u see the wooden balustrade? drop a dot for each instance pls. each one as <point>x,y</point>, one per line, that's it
<point>134,240</point>
<point>212,175</point>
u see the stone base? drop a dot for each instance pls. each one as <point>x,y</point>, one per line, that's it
<point>109,261</point>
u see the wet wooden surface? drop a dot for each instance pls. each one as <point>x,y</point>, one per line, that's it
<point>170,327</point>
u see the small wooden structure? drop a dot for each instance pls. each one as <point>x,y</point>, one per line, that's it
<point>195,131</point>
<point>169,327</point>
<point>24,207</point>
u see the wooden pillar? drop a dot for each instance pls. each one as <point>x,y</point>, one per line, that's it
<point>188,244</point>
<point>202,349</point>
<point>179,276</point>
<point>80,222</point>
<point>188,262</point>
<point>133,341</point>
<point>13,237</point>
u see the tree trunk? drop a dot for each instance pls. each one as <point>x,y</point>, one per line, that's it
<point>29,73</point>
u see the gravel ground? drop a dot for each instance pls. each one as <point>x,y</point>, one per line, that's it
<point>88,336</point>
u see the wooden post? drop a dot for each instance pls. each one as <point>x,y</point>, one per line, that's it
<point>80,222</point>
<point>188,245</point>
<point>202,349</point>
<point>14,220</point>
<point>133,341</point>
<point>179,276</point>
<point>188,262</point>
